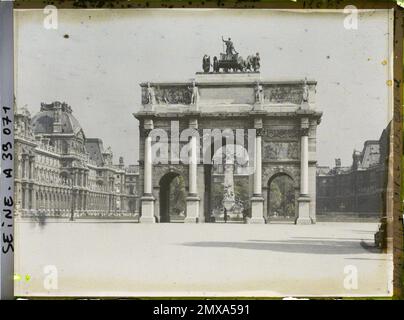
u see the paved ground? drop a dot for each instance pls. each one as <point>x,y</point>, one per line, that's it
<point>106,259</point>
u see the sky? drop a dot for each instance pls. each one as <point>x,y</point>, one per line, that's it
<point>95,60</point>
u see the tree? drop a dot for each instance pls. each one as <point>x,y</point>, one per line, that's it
<point>217,195</point>
<point>241,192</point>
<point>177,195</point>
<point>282,196</point>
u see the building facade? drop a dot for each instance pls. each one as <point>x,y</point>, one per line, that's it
<point>281,115</point>
<point>60,173</point>
<point>359,188</point>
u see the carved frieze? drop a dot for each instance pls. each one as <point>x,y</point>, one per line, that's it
<point>280,133</point>
<point>169,95</point>
<point>281,150</point>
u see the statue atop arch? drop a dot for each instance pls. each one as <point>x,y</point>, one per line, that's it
<point>231,61</point>
<point>230,51</point>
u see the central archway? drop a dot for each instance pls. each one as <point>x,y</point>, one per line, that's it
<point>227,177</point>
<point>281,198</point>
<point>172,197</point>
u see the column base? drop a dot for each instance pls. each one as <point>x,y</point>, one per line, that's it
<point>190,220</point>
<point>147,210</point>
<point>258,106</point>
<point>147,220</point>
<point>304,211</point>
<point>192,209</point>
<point>257,210</point>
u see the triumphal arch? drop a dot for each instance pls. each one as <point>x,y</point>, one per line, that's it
<point>182,124</point>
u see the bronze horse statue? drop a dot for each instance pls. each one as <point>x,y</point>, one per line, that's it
<point>206,63</point>
<point>234,63</point>
<point>252,63</point>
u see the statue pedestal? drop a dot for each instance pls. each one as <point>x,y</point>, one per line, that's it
<point>232,77</point>
<point>258,106</point>
<point>147,209</point>
<point>257,210</point>
<point>192,209</point>
<point>303,211</point>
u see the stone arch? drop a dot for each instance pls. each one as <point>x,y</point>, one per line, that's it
<point>286,188</point>
<point>214,146</point>
<point>164,195</point>
<point>272,171</point>
<point>159,171</point>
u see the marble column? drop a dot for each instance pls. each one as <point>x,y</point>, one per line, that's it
<point>304,198</point>
<point>34,199</point>
<point>26,167</point>
<point>84,205</point>
<point>32,167</point>
<point>22,194</point>
<point>257,200</point>
<point>148,198</point>
<point>192,211</point>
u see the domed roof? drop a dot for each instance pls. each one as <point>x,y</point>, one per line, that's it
<point>43,121</point>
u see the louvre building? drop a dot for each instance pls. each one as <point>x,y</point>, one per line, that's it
<point>358,189</point>
<point>60,173</point>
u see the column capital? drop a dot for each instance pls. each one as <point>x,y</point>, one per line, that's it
<point>259,132</point>
<point>146,132</point>
<point>148,124</point>
<point>304,131</point>
<point>304,122</point>
<point>258,123</point>
<point>193,123</point>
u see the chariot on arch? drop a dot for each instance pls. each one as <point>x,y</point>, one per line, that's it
<point>231,61</point>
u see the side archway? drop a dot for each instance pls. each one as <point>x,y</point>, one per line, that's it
<point>281,198</point>
<point>172,198</point>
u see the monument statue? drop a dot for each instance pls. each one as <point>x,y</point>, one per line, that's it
<point>194,93</point>
<point>259,93</point>
<point>228,183</point>
<point>305,91</point>
<point>216,67</point>
<point>252,62</point>
<point>229,47</point>
<point>257,62</point>
<point>230,60</point>
<point>206,63</point>
<point>151,97</point>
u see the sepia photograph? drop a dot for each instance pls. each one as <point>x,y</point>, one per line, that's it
<point>203,152</point>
